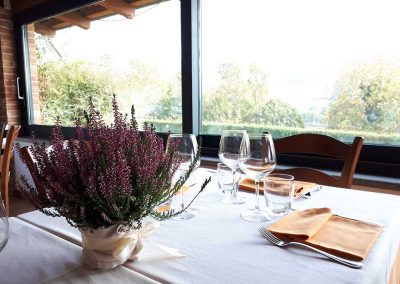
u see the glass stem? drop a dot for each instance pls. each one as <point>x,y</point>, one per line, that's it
<point>235,183</point>
<point>183,200</point>
<point>257,203</point>
<point>182,189</point>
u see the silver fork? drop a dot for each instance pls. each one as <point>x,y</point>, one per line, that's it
<point>308,195</point>
<point>278,242</point>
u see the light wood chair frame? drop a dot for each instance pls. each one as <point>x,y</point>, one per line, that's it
<point>8,135</point>
<point>324,146</point>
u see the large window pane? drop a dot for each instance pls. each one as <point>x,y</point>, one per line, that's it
<point>138,59</point>
<point>290,66</point>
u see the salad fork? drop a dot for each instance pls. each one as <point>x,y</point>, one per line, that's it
<point>280,243</point>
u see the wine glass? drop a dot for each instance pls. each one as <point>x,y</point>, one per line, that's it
<point>257,159</point>
<point>4,226</point>
<point>229,147</point>
<point>187,151</point>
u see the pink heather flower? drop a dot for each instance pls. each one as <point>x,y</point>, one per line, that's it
<point>106,174</point>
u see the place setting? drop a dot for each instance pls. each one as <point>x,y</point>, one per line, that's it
<point>342,239</point>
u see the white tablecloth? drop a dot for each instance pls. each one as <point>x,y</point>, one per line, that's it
<point>33,255</point>
<point>222,248</point>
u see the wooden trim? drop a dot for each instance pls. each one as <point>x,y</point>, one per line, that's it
<point>119,7</point>
<point>44,30</point>
<point>105,13</point>
<point>74,18</point>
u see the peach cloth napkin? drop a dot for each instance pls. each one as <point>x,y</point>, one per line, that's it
<point>319,228</point>
<point>167,205</point>
<point>300,187</point>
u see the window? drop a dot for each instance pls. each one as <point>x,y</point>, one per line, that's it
<point>266,65</point>
<point>330,67</point>
<point>138,59</point>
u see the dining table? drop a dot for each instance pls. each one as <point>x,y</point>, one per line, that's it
<point>216,246</point>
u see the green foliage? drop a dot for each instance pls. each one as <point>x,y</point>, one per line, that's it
<point>242,99</point>
<point>282,131</point>
<point>367,97</point>
<point>140,85</point>
<point>65,89</point>
<point>170,104</point>
<point>236,99</point>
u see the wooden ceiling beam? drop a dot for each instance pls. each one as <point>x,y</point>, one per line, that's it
<point>119,7</point>
<point>108,12</point>
<point>44,30</point>
<point>141,3</point>
<point>74,18</point>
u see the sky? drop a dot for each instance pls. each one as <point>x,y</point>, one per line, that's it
<point>304,45</point>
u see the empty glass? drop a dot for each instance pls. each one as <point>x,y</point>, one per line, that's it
<point>225,182</point>
<point>278,193</point>
<point>187,151</point>
<point>229,148</point>
<point>4,226</point>
<point>257,159</point>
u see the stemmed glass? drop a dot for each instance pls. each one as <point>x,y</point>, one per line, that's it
<point>4,226</point>
<point>257,159</point>
<point>187,151</point>
<point>229,147</point>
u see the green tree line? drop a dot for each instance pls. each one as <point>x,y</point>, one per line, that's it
<point>366,97</point>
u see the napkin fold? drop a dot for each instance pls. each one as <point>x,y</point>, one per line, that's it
<point>318,227</point>
<point>300,187</point>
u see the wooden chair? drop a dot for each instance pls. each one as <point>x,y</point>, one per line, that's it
<point>8,134</point>
<point>30,163</point>
<point>323,146</point>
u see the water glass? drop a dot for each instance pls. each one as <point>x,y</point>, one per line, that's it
<point>225,181</point>
<point>278,193</point>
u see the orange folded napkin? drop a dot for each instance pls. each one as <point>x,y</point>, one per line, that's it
<point>184,188</point>
<point>319,228</point>
<point>300,187</point>
<point>166,206</point>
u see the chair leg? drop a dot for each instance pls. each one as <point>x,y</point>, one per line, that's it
<point>4,195</point>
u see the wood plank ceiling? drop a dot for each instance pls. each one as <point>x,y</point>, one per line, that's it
<point>84,16</point>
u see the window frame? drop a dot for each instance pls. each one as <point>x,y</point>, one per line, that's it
<point>374,159</point>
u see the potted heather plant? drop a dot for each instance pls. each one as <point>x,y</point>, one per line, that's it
<point>105,181</point>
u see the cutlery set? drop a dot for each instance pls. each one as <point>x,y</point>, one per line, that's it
<point>280,243</point>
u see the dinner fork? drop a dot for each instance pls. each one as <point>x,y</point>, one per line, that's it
<point>280,243</point>
<point>308,194</point>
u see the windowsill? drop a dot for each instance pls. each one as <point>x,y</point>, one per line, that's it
<point>372,181</point>
<point>363,180</point>
<point>25,139</point>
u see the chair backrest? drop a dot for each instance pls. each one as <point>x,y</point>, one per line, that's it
<point>8,134</point>
<point>3,139</point>
<point>30,163</point>
<point>324,146</point>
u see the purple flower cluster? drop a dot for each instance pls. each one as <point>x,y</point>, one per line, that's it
<point>105,175</point>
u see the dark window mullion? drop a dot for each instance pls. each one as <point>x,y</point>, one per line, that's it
<point>190,66</point>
